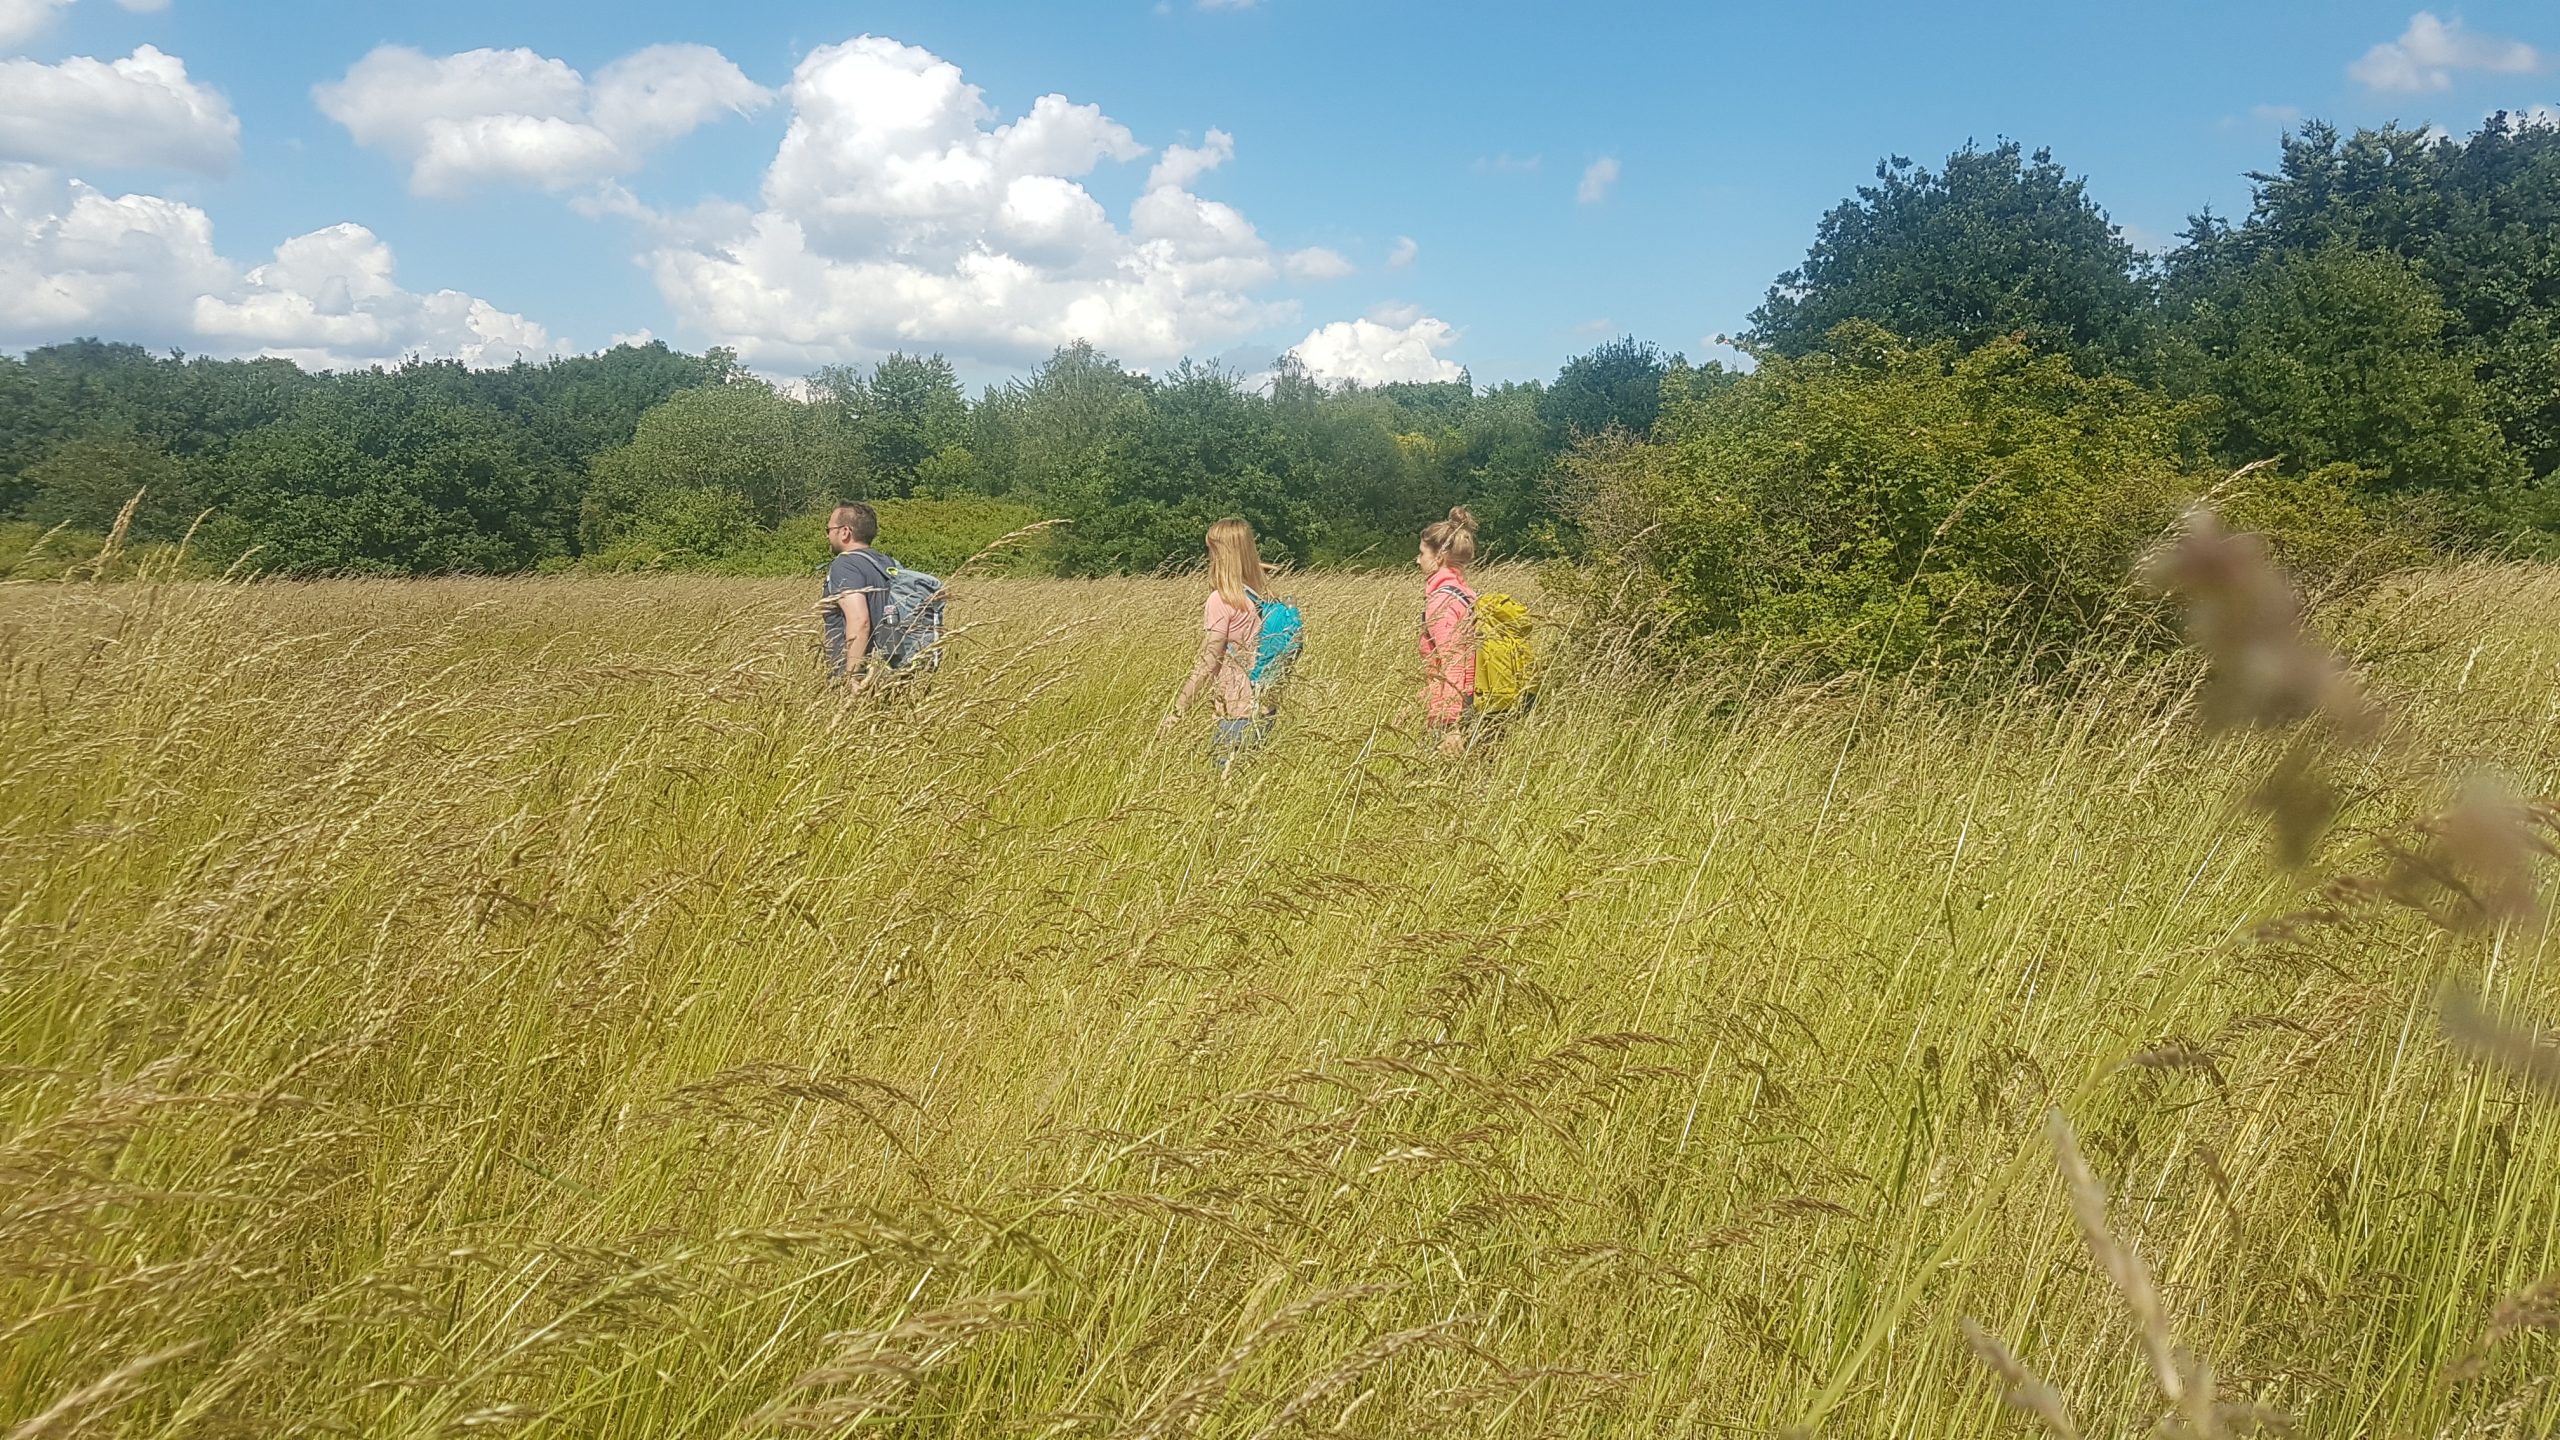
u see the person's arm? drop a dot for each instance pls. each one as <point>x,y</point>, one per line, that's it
<point>857,622</point>
<point>856,606</point>
<point>1213,652</point>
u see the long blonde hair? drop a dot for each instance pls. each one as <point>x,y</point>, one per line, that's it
<point>1235,563</point>
<point>1453,539</point>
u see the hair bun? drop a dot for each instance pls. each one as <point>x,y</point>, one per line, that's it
<point>1463,518</point>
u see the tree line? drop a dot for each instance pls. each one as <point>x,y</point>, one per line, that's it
<point>1968,406</point>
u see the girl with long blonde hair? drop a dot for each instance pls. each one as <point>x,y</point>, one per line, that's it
<point>1230,625</point>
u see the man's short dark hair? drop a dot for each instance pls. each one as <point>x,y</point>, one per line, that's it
<point>858,518</point>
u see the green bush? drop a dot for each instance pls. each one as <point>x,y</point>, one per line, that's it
<point>29,551</point>
<point>1879,502</point>
<point>704,534</point>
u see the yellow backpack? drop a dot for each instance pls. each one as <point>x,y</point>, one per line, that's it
<point>1506,660</point>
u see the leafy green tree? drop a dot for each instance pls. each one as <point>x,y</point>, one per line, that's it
<point>1506,459</point>
<point>2336,356</point>
<point>1996,243</point>
<point>1207,448</point>
<point>579,406</point>
<point>1368,468</point>
<point>390,472</point>
<point>87,482</point>
<point>2478,220</point>
<point>1061,429</point>
<point>777,458</point>
<point>903,415</point>
<point>1618,384</point>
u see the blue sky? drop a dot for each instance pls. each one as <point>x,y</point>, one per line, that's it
<point>1395,188</point>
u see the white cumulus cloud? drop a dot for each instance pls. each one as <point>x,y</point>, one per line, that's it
<point>1317,263</point>
<point>1183,164</point>
<point>1388,347</point>
<point>902,211</point>
<point>141,110</point>
<point>1402,255</point>
<point>23,20</point>
<point>75,260</point>
<point>1597,177</point>
<point>515,115</point>
<point>2428,53</point>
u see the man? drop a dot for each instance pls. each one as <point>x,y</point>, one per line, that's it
<point>857,589</point>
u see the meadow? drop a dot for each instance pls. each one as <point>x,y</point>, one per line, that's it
<point>535,1008</point>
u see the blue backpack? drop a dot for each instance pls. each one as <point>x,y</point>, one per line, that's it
<point>1282,636</point>
<point>911,621</point>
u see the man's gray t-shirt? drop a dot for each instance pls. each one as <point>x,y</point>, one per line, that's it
<point>855,570</point>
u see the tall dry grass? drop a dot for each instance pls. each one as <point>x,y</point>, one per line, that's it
<point>533,1008</point>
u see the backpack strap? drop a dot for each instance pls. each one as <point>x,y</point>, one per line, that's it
<point>1450,589</point>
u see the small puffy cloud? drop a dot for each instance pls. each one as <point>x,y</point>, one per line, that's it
<point>1317,263</point>
<point>23,20</point>
<point>1227,4</point>
<point>1508,164</point>
<point>1597,177</point>
<point>1403,253</point>
<point>141,110</point>
<point>2428,53</point>
<point>76,260</point>
<point>1183,164</point>
<point>1392,346</point>
<point>2282,117</point>
<point>514,115</point>
<point>901,211</point>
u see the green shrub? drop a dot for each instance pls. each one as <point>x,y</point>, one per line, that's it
<point>701,534</point>
<point>1879,502</point>
<point>29,551</point>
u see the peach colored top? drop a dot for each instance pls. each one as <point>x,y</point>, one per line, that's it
<point>1227,637</point>
<point>1448,645</point>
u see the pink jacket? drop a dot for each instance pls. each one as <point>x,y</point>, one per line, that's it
<point>1448,646</point>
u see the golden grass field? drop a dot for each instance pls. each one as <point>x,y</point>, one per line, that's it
<point>533,1008</point>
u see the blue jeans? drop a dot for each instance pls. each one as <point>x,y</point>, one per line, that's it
<point>1235,737</point>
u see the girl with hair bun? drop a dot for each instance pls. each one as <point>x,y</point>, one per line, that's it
<point>1448,628</point>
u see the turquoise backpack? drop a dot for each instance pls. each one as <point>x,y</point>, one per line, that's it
<point>1282,636</point>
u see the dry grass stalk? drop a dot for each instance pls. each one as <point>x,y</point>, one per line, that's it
<point>874,1371</point>
<point>2246,617</point>
<point>2025,1390</point>
<point>65,1415</point>
<point>2116,1260</point>
<point>2267,669</point>
<point>2530,1054</point>
<point>2532,1310</point>
<point>2473,867</point>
